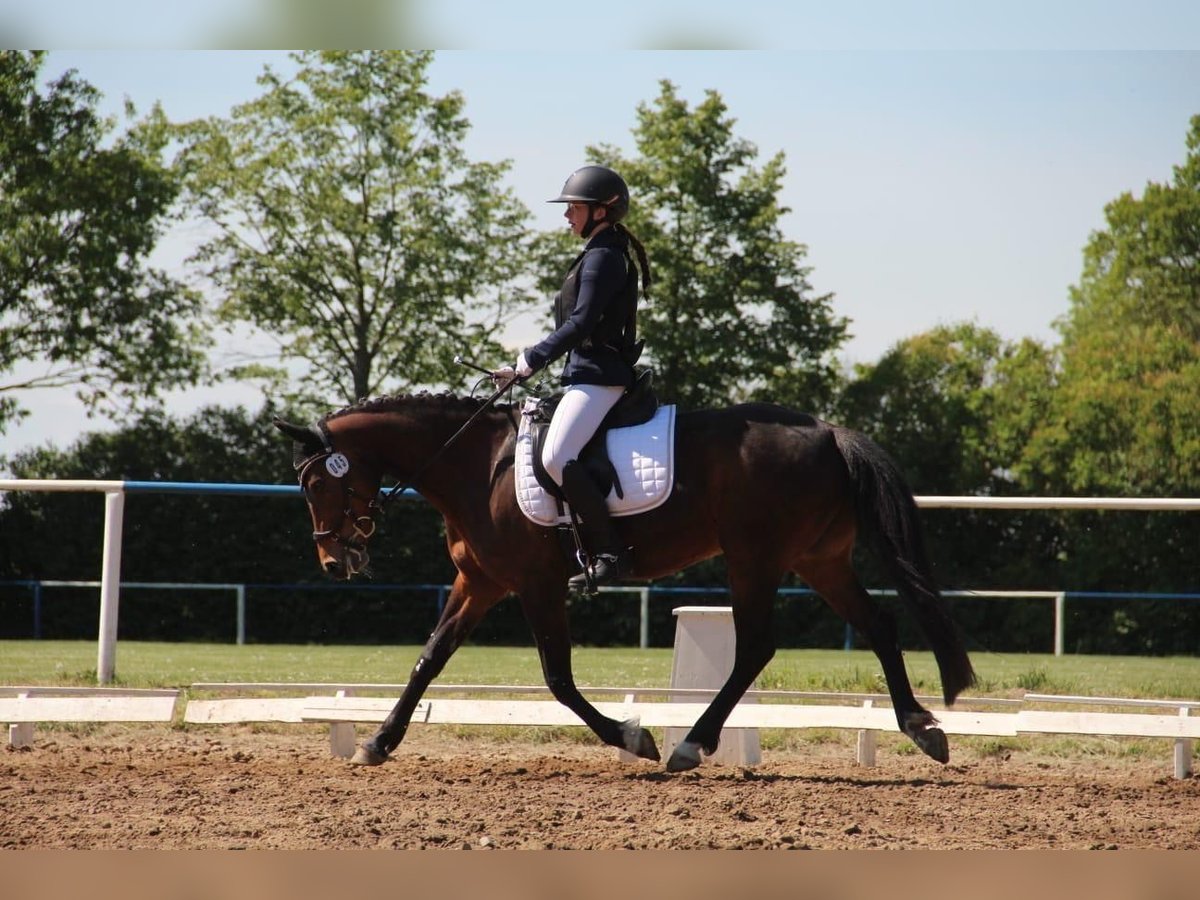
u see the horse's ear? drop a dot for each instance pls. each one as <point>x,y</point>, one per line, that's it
<point>305,435</point>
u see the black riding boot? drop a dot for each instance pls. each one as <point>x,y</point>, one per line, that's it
<point>609,560</point>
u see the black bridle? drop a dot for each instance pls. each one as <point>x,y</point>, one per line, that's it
<point>361,533</point>
<point>356,559</point>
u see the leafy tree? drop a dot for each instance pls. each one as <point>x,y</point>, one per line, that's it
<point>351,226</point>
<point>1127,412</point>
<point>953,406</point>
<point>1144,268</point>
<point>1125,419</point>
<point>730,315</point>
<point>80,212</point>
<point>933,399</point>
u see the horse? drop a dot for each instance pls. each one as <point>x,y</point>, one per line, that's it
<point>773,490</point>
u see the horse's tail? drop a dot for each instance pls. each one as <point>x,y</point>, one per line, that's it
<point>887,513</point>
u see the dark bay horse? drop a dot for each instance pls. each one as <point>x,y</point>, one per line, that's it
<point>774,491</point>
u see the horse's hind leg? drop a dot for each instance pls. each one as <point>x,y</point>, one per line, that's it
<point>753,595</point>
<point>546,612</point>
<point>837,584</point>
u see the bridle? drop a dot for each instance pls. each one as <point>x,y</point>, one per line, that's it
<point>360,532</point>
<point>364,526</point>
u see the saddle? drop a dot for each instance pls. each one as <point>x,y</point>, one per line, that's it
<point>636,407</point>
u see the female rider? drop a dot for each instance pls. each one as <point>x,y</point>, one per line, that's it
<point>595,327</point>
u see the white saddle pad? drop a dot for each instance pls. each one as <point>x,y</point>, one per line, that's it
<point>643,456</point>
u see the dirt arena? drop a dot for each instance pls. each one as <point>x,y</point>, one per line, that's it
<point>147,787</point>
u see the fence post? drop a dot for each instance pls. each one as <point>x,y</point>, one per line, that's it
<point>705,645</point>
<point>644,629</point>
<point>37,610</point>
<point>1183,751</point>
<point>241,614</point>
<point>1060,606</point>
<point>110,585</point>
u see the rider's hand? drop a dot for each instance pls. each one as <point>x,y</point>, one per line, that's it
<point>504,376</point>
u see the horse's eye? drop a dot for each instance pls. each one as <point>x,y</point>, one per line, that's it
<point>315,487</point>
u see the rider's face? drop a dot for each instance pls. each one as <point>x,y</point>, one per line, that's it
<point>577,216</point>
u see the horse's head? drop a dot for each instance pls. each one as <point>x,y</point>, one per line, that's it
<point>341,492</point>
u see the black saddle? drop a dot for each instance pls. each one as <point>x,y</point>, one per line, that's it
<point>636,406</point>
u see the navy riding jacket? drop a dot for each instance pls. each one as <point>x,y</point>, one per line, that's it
<point>594,315</point>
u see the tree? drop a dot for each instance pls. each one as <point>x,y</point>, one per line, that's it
<point>1144,269</point>
<point>351,226</point>
<point>1127,412</point>
<point>1125,418</point>
<point>933,400</point>
<point>954,406</point>
<point>730,314</point>
<point>80,212</point>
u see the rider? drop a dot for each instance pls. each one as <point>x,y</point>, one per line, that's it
<point>595,326</point>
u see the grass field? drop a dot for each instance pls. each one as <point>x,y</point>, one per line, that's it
<point>143,664</point>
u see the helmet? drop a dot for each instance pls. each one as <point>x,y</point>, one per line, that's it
<point>599,185</point>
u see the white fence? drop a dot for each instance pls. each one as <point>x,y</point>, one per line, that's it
<point>114,512</point>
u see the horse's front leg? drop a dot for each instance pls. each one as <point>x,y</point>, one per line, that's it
<point>546,613</point>
<point>470,598</point>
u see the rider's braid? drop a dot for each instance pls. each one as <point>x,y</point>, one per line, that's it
<point>643,262</point>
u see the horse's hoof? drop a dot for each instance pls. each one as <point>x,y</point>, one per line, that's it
<point>366,757</point>
<point>638,740</point>
<point>933,742</point>
<point>685,757</point>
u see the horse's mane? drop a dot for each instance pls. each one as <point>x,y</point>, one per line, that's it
<point>402,402</point>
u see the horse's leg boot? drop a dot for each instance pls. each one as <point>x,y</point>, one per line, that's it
<point>609,560</point>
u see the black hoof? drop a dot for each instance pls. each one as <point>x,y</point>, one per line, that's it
<point>933,742</point>
<point>685,757</point>
<point>639,741</point>
<point>365,756</point>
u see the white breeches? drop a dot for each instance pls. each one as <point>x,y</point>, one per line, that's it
<point>580,412</point>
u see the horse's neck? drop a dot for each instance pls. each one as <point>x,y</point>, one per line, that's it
<point>449,460</point>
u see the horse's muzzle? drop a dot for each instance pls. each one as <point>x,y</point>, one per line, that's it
<point>353,560</point>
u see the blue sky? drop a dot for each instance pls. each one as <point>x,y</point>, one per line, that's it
<point>930,185</point>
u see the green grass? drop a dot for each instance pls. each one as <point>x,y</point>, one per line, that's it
<point>145,664</point>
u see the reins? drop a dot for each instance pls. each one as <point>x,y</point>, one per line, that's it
<point>411,482</point>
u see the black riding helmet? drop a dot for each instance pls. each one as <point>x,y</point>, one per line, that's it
<point>597,186</point>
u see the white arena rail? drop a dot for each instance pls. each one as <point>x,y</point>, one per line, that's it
<point>341,706</point>
<point>23,707</point>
